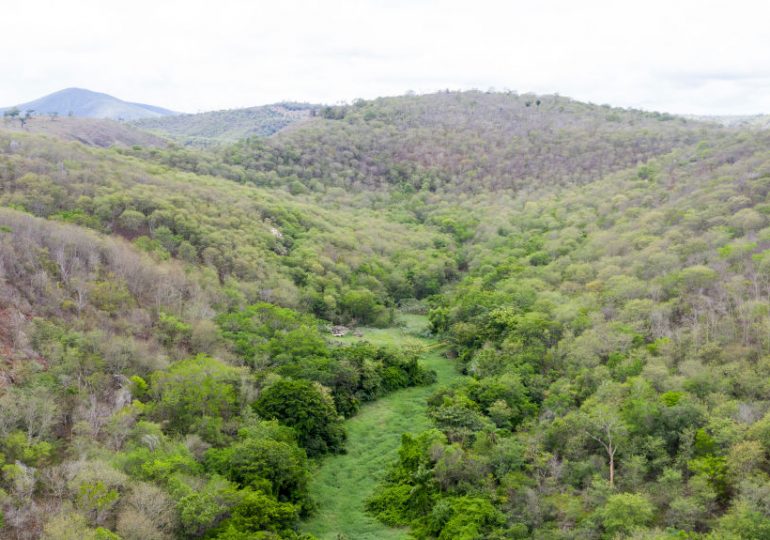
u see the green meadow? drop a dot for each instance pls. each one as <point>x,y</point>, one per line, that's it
<point>343,482</point>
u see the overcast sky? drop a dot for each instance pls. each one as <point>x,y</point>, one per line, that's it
<point>700,57</point>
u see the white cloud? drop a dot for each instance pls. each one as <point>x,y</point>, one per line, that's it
<point>685,56</point>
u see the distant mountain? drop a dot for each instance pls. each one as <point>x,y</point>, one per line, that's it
<point>205,129</point>
<point>87,104</point>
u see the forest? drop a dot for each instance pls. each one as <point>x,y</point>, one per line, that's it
<point>574,297</point>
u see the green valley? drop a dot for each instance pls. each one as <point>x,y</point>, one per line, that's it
<point>343,483</point>
<point>459,315</point>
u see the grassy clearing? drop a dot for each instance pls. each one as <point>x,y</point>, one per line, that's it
<point>342,483</point>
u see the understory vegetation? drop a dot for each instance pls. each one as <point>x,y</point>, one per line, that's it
<point>600,276</point>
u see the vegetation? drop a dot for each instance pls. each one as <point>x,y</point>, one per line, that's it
<point>614,337</point>
<point>447,143</point>
<point>113,397</point>
<point>218,127</point>
<point>343,482</point>
<point>91,131</point>
<point>600,277</point>
<point>340,264</point>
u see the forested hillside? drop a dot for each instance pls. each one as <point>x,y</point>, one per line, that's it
<point>465,142</point>
<point>599,275</point>
<point>452,143</point>
<point>90,131</point>
<point>217,127</point>
<point>620,332</point>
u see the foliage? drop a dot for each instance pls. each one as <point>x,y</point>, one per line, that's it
<point>192,390</point>
<point>624,512</point>
<point>227,126</point>
<point>303,406</point>
<point>600,275</point>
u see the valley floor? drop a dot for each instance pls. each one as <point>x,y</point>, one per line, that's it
<point>342,483</point>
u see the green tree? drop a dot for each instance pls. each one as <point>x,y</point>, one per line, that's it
<point>744,520</point>
<point>257,512</point>
<point>624,512</point>
<point>202,506</point>
<point>303,406</point>
<point>131,220</point>
<point>606,427</point>
<point>195,388</point>
<point>360,304</point>
<point>277,467</point>
<point>263,334</point>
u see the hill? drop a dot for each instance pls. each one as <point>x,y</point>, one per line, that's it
<point>758,121</point>
<point>89,131</point>
<point>451,143</point>
<point>601,277</point>
<point>84,103</point>
<point>617,330</point>
<point>228,126</point>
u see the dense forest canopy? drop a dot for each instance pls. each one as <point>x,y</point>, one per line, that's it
<point>600,277</point>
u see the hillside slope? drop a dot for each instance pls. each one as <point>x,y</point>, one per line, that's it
<point>464,142</point>
<point>124,283</point>
<point>600,275</point>
<point>617,335</point>
<point>89,131</point>
<point>287,249</point>
<point>216,127</point>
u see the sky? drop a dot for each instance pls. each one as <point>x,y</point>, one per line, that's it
<point>679,56</point>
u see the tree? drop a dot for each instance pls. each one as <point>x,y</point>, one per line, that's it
<point>305,407</point>
<point>96,499</point>
<point>11,113</point>
<point>193,389</point>
<point>746,521</point>
<point>360,304</point>
<point>73,526</point>
<point>131,220</point>
<point>263,333</point>
<point>463,518</point>
<point>258,512</point>
<point>26,118</point>
<point>148,513</point>
<point>202,506</point>
<point>277,467</point>
<point>605,426</point>
<point>624,512</point>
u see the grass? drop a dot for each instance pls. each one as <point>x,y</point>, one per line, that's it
<point>342,483</point>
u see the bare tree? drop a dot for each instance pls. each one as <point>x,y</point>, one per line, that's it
<point>607,428</point>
